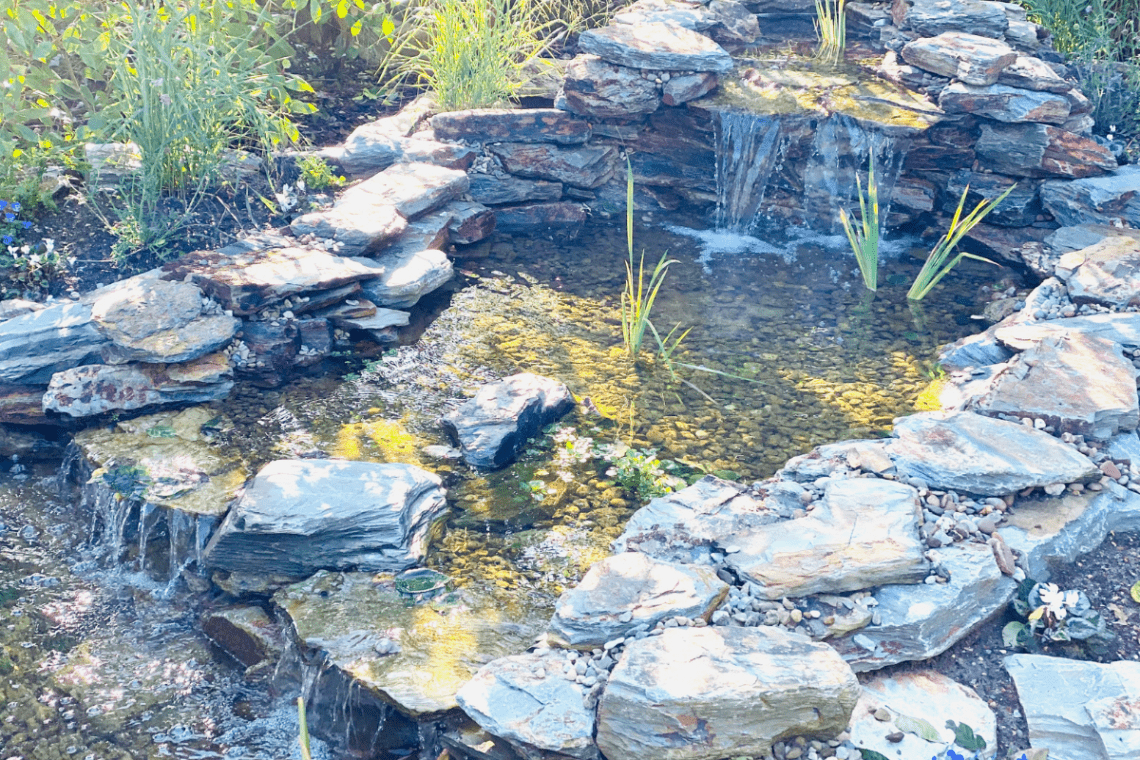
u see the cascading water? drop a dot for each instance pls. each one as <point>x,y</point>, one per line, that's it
<point>747,150</point>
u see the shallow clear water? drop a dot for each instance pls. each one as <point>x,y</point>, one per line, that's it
<point>786,351</point>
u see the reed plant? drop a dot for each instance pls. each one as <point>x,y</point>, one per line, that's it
<point>640,293</point>
<point>303,730</point>
<point>942,259</point>
<point>831,26</point>
<point>865,241</point>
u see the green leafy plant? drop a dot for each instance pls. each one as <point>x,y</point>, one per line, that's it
<point>865,242</point>
<point>639,471</point>
<point>1054,615</point>
<point>317,174</point>
<point>941,259</point>
<point>831,26</point>
<point>303,730</point>
<point>470,53</point>
<point>639,295</point>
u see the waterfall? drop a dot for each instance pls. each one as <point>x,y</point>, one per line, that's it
<point>747,150</point>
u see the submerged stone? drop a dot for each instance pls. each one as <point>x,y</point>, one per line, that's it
<point>352,621</point>
<point>981,455</point>
<point>526,700</point>
<point>299,516</point>
<point>492,428</point>
<point>710,693</point>
<point>627,590</point>
<point>863,533</point>
<point>246,633</point>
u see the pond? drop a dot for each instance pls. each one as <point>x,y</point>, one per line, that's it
<point>785,351</point>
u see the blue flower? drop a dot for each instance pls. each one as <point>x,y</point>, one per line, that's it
<point>7,240</point>
<point>3,205</point>
<point>952,755</point>
<point>15,205</point>
<point>27,225</point>
<point>9,217</point>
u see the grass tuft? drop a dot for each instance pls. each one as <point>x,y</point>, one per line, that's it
<point>865,241</point>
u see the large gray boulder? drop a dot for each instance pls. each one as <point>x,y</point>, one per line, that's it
<point>526,700</point>
<point>656,46</point>
<point>686,525</point>
<point>1041,150</point>
<point>300,516</point>
<point>1106,273</point>
<point>973,59</point>
<point>930,18</point>
<point>1108,199</point>
<point>975,454</point>
<point>1079,710</point>
<point>863,533</point>
<point>40,343</point>
<point>627,590</point>
<point>711,693</point>
<point>492,428</point>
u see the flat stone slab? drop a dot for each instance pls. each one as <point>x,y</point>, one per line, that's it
<point>1041,150</point>
<point>246,279</point>
<point>470,222</point>
<point>492,427</point>
<point>100,388</point>
<point>526,700</point>
<point>1111,199</point>
<point>1005,103</point>
<point>40,343</point>
<point>628,590</point>
<point>401,279</point>
<point>921,695</point>
<point>655,46</point>
<point>921,621</point>
<point>367,152</point>
<point>440,646</point>
<point>930,18</point>
<point>863,533</point>
<point>563,218</point>
<point>411,188</point>
<point>359,226</point>
<point>1076,383</point>
<point>1093,717</point>
<point>497,191</point>
<point>971,58</point>
<point>981,455</point>
<point>1122,328</point>
<point>1106,273</point>
<point>686,525</point>
<point>246,633</point>
<point>1031,73</point>
<point>157,321</point>
<point>681,89</point>
<point>586,167</point>
<point>710,693</point>
<point>598,88</point>
<point>300,516</point>
<point>183,468</point>
<point>547,125</point>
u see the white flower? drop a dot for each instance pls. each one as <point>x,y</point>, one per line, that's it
<point>1053,599</point>
<point>301,185</point>
<point>1072,598</point>
<point>49,245</point>
<point>34,258</point>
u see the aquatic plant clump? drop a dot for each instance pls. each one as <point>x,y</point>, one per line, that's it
<point>865,241</point>
<point>831,26</point>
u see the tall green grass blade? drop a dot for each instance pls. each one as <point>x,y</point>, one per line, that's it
<point>865,242</point>
<point>303,726</point>
<point>831,26</point>
<point>940,261</point>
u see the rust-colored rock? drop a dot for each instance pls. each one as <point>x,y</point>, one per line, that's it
<point>1040,150</point>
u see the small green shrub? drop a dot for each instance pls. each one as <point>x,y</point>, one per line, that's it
<point>317,174</point>
<point>1051,614</point>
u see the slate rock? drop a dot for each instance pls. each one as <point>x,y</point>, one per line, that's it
<point>1122,328</point>
<point>1111,199</point>
<point>709,693</point>
<point>599,89</point>
<point>156,321</point>
<point>526,700</point>
<point>1019,209</point>
<point>1078,384</point>
<point>492,428</point>
<point>1092,718</point>
<point>23,405</point>
<point>563,219</point>
<point>341,618</point>
<point>973,59</point>
<point>930,18</point>
<point>724,21</point>
<point>1105,273</point>
<point>923,695</point>
<point>863,533</point>
<point>686,525</point>
<point>627,590</point>
<point>1004,103</point>
<point>681,89</point>
<point>10,308</point>
<point>497,191</point>
<point>247,278</point>
<point>975,454</point>
<point>366,153</point>
<point>470,222</point>
<point>359,225</point>
<point>428,232</point>
<point>1040,150</point>
<point>401,279</point>
<point>921,621</point>
<point>1065,239</point>
<point>100,388</point>
<point>299,516</point>
<point>545,125</point>
<point>585,167</point>
<point>1024,35</point>
<point>1031,73</point>
<point>273,348</point>
<point>1051,531</point>
<point>246,633</point>
<point>655,46</point>
<point>979,350</point>
<point>412,188</point>
<point>40,343</point>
